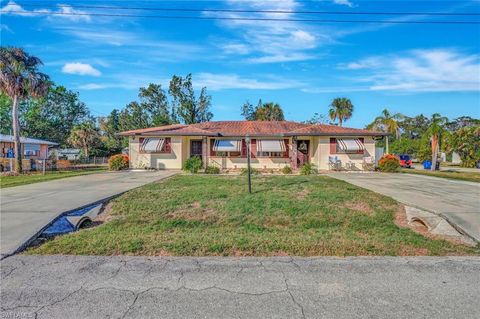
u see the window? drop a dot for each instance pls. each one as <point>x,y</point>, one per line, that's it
<point>272,148</point>
<point>155,145</point>
<point>347,145</point>
<point>226,148</point>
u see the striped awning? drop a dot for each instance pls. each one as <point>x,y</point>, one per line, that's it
<point>350,145</point>
<point>152,145</point>
<point>271,146</point>
<point>227,146</point>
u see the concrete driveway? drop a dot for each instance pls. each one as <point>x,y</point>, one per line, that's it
<point>166,287</point>
<point>25,210</point>
<point>458,201</point>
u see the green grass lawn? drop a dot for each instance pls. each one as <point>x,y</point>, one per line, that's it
<point>200,215</point>
<point>464,176</point>
<point>10,181</point>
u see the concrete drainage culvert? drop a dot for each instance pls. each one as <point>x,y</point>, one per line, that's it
<point>435,225</point>
<point>70,222</point>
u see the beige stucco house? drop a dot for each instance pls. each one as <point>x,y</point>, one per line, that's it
<point>273,145</point>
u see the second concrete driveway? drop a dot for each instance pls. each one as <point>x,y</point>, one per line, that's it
<point>458,201</point>
<point>25,210</point>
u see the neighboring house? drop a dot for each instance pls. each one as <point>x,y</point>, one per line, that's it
<point>32,148</point>
<point>274,144</point>
<point>70,154</point>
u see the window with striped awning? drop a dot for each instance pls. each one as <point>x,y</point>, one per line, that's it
<point>152,145</point>
<point>271,148</point>
<point>353,145</point>
<point>227,146</point>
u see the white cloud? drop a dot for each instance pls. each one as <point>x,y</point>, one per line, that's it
<point>370,62</point>
<point>12,8</point>
<point>216,82</point>
<point>4,27</point>
<point>213,82</point>
<point>344,3</point>
<point>67,12</point>
<point>434,70</point>
<point>80,69</point>
<point>64,12</point>
<point>235,48</point>
<point>93,86</point>
<point>290,57</point>
<point>269,41</point>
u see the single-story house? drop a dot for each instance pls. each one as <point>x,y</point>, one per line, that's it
<point>70,154</point>
<point>32,148</point>
<point>273,145</point>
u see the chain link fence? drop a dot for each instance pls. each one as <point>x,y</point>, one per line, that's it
<point>50,165</point>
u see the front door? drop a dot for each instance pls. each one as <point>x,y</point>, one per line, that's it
<point>196,148</point>
<point>303,147</point>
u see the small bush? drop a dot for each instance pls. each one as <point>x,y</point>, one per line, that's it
<point>212,170</point>
<point>287,170</point>
<point>253,171</point>
<point>308,169</point>
<point>117,162</point>
<point>193,164</point>
<point>389,163</point>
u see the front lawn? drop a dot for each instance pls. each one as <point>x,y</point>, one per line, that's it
<point>10,181</point>
<point>451,174</point>
<point>200,215</point>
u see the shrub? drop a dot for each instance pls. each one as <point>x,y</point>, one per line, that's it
<point>287,170</point>
<point>193,164</point>
<point>307,169</point>
<point>389,163</point>
<point>118,162</point>
<point>212,170</point>
<point>253,171</point>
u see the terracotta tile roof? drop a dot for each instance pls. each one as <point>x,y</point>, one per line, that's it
<point>251,128</point>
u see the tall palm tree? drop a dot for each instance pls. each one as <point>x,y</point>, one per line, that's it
<point>341,109</point>
<point>387,123</point>
<point>20,79</point>
<point>435,131</point>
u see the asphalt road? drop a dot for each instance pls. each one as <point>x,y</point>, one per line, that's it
<point>26,209</point>
<point>156,287</point>
<point>458,201</point>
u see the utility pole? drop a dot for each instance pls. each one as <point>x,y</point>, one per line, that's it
<point>247,141</point>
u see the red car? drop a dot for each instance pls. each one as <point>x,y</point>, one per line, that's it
<point>405,161</point>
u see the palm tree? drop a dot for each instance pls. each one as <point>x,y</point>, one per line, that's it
<point>341,108</point>
<point>20,79</point>
<point>84,136</point>
<point>387,123</point>
<point>269,112</point>
<point>435,131</point>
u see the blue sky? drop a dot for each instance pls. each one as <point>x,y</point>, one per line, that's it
<point>410,68</point>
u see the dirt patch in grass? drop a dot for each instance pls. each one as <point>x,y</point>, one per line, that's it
<point>359,206</point>
<point>303,193</point>
<point>197,215</point>
<point>105,214</point>
<point>195,212</point>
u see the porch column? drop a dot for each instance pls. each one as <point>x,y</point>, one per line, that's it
<point>205,151</point>
<point>294,155</point>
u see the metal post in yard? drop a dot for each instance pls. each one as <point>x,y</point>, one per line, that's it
<point>247,141</point>
<point>43,168</point>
